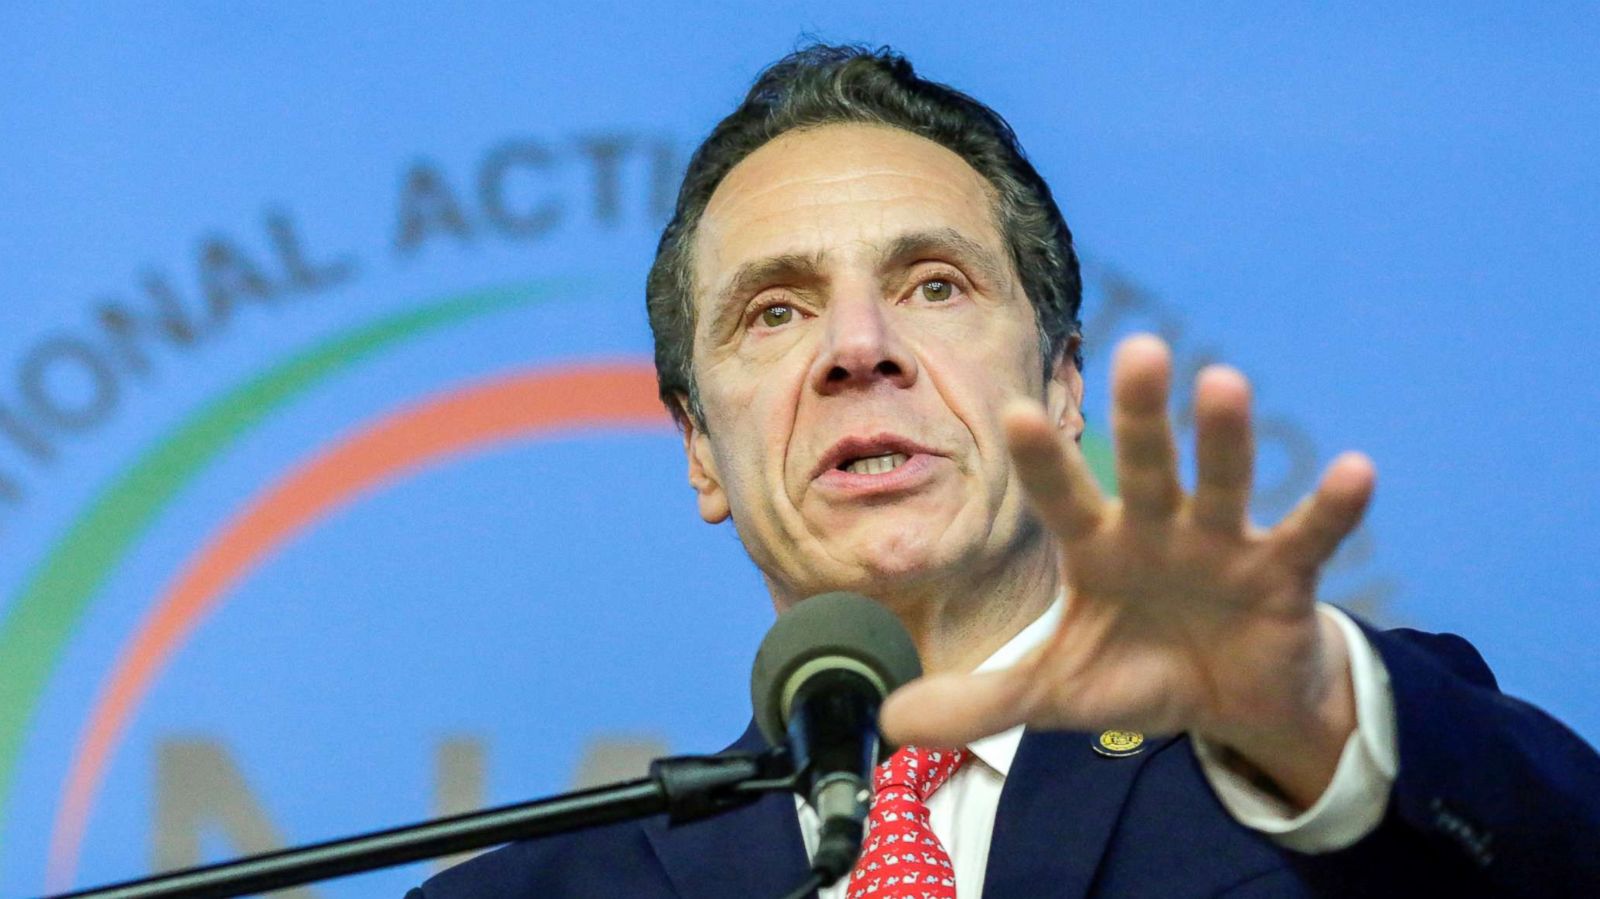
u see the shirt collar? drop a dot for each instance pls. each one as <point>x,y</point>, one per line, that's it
<point>997,750</point>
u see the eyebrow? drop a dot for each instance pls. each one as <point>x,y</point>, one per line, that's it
<point>761,272</point>
<point>945,243</point>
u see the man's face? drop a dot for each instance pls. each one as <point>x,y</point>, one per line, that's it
<point>859,328</point>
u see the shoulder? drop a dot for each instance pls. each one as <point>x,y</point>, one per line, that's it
<point>641,859</point>
<point>600,861</point>
<point>1405,648</point>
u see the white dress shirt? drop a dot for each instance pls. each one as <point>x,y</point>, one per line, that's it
<point>961,812</point>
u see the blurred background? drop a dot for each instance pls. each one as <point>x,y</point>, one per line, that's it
<point>332,490</point>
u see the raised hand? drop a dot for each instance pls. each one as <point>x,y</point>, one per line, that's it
<point>1180,615</point>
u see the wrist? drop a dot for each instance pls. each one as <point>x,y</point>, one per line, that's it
<point>1296,756</point>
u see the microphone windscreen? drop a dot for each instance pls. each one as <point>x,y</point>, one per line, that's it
<point>830,626</point>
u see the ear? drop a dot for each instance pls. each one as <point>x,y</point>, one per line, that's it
<point>1063,393</point>
<point>702,468</point>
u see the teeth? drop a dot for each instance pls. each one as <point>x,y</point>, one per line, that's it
<point>877,464</point>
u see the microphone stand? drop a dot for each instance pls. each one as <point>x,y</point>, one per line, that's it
<point>686,788</point>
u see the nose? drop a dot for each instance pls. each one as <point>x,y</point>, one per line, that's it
<point>862,347</point>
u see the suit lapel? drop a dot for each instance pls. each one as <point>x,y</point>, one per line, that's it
<point>754,851</point>
<point>1058,807</point>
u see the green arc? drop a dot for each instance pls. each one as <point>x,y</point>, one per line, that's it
<point>42,619</point>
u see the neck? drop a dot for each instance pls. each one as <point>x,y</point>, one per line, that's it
<point>959,620</point>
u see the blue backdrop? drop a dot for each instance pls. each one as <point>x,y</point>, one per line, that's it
<point>252,593</point>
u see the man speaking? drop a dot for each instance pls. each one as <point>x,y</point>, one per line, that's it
<point>866,324</point>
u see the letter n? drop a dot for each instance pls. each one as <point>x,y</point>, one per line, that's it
<point>198,787</point>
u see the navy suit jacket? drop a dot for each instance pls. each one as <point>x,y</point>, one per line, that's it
<point>1493,798</point>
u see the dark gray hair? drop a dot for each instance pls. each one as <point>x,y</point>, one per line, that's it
<point>832,84</point>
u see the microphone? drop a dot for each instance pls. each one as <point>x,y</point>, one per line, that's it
<point>819,677</point>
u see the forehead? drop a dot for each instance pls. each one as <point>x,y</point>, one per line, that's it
<point>835,190</point>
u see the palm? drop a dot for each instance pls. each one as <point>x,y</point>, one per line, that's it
<point>1170,630</point>
<point>1180,616</point>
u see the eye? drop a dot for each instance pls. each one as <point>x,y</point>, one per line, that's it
<point>776,315</point>
<point>936,290</point>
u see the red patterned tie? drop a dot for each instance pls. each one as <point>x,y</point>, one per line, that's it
<point>901,858</point>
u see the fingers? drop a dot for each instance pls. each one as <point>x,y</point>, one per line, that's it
<point>953,709</point>
<point>1053,471</point>
<point>1063,489</point>
<point>1224,449</point>
<point>1312,532</point>
<point>1146,456</point>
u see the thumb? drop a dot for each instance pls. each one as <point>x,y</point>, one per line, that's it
<point>954,709</point>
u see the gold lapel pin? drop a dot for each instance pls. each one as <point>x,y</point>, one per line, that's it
<point>1119,743</point>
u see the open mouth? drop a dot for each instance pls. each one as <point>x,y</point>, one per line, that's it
<point>873,463</point>
<point>880,464</point>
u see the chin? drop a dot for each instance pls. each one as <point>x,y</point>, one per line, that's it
<point>898,558</point>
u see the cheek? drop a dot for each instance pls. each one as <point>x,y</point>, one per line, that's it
<point>751,417</point>
<point>977,373</point>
